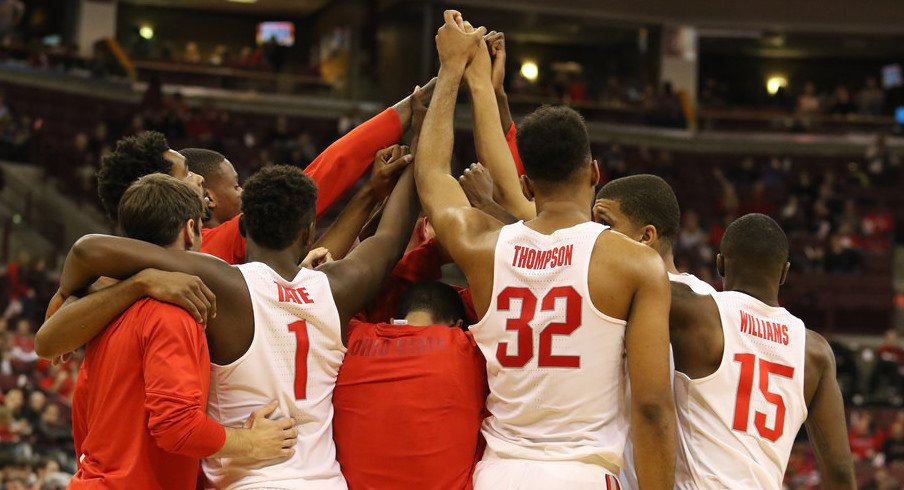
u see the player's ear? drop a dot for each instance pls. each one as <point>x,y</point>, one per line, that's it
<point>191,235</point>
<point>595,172</point>
<point>211,199</point>
<point>527,188</point>
<point>785,269</point>
<point>458,323</point>
<point>648,235</point>
<point>720,265</point>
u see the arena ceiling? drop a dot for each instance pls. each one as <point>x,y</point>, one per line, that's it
<point>257,6</point>
<point>866,17</point>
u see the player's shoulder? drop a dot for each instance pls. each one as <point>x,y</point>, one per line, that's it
<point>627,255</point>
<point>161,314</point>
<point>819,355</point>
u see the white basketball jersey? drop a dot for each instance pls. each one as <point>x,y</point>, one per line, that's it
<point>628,474</point>
<point>739,423</point>
<point>555,364</point>
<point>294,358</point>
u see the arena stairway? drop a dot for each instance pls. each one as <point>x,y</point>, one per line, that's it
<point>44,221</point>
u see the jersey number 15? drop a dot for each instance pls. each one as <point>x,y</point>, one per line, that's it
<point>745,387</point>
<point>521,324</point>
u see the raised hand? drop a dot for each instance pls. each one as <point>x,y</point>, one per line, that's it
<point>183,290</point>
<point>454,44</point>
<point>496,42</point>
<point>419,100</point>
<point>388,165</point>
<point>316,257</point>
<point>477,184</point>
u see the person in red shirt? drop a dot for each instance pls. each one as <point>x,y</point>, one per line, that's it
<point>410,397</point>
<point>140,418</point>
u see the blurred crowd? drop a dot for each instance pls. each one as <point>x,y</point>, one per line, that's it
<point>35,396</point>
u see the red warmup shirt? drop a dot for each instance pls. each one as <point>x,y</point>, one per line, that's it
<point>335,171</point>
<point>408,406</point>
<point>145,425</point>
<point>422,263</point>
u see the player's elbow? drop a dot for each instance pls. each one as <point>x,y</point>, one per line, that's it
<point>44,346</point>
<point>85,248</point>
<point>839,476</point>
<point>657,414</point>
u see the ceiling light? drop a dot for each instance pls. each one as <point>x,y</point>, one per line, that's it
<point>146,32</point>
<point>775,82</point>
<point>242,1</point>
<point>530,71</point>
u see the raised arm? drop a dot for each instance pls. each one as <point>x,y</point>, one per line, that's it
<point>478,186</point>
<point>344,162</point>
<point>356,279</point>
<point>388,165</point>
<point>826,426</point>
<point>492,149</point>
<point>82,319</point>
<point>647,348</point>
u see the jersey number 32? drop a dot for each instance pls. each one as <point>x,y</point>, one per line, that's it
<point>521,324</point>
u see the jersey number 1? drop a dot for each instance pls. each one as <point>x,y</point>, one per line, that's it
<point>300,328</point>
<point>745,387</point>
<point>526,333</point>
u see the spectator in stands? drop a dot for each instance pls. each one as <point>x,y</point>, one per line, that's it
<point>841,102</point>
<point>882,480</point>
<point>841,256</point>
<point>808,101</point>
<point>847,371</point>
<point>692,234</point>
<point>888,369</point>
<point>893,447</point>
<point>52,436</point>
<point>667,109</point>
<point>192,53</point>
<point>881,162</point>
<point>37,401</point>
<point>864,439</point>
<point>23,342</point>
<point>870,99</point>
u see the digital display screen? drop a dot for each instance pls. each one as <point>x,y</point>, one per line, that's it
<point>283,33</point>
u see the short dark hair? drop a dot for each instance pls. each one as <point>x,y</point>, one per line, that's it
<point>134,157</point>
<point>278,202</point>
<point>155,208</point>
<point>646,200</point>
<point>202,162</point>
<point>553,143</point>
<point>441,300</point>
<point>756,241</point>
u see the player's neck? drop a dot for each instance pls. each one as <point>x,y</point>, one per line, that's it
<point>766,293</point>
<point>669,260</point>
<point>212,222</point>
<point>561,211</point>
<point>284,262</point>
<point>419,319</point>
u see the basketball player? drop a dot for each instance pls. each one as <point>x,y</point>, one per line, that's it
<point>644,208</point>
<point>224,197</point>
<point>750,374</point>
<point>561,298</point>
<point>279,332</point>
<point>410,397</point>
<point>140,422</point>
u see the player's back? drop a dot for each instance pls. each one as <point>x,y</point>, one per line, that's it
<point>739,423</point>
<point>555,363</point>
<point>294,358</point>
